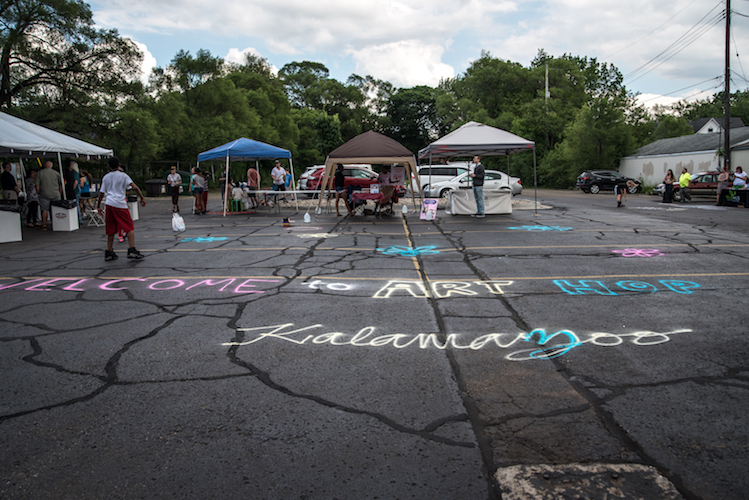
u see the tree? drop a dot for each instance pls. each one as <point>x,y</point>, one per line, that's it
<point>597,138</point>
<point>413,117</point>
<point>304,83</point>
<point>52,49</point>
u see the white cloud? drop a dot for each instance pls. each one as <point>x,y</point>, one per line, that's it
<point>627,34</point>
<point>405,63</point>
<point>149,62</point>
<point>238,57</point>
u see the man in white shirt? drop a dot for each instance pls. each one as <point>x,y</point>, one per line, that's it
<point>115,185</point>
<point>279,178</point>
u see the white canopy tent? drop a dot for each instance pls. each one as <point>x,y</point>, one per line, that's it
<point>21,139</point>
<point>475,138</point>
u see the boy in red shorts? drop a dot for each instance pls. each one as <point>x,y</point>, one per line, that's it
<point>115,185</point>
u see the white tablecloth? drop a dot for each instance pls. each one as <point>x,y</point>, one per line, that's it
<point>462,202</point>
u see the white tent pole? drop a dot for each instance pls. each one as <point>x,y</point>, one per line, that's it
<point>226,184</point>
<point>62,177</point>
<point>257,168</point>
<point>535,183</point>
<point>23,177</point>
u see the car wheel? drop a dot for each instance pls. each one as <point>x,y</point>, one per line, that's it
<point>632,189</point>
<point>444,193</point>
<point>594,189</point>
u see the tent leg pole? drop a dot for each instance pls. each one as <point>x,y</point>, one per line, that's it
<point>535,185</point>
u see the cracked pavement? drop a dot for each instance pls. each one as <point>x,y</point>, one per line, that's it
<point>579,349</point>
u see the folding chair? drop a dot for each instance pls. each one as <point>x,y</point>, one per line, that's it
<point>94,219</point>
<point>387,201</point>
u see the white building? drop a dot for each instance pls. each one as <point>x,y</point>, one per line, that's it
<point>697,152</point>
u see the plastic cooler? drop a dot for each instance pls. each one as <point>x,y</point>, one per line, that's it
<point>64,215</point>
<point>10,223</point>
<point>132,204</point>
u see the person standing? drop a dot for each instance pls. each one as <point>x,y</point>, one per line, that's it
<point>668,191</point>
<point>478,186</point>
<point>174,180</point>
<point>49,186</point>
<point>198,185</point>
<point>279,178</point>
<point>10,186</point>
<point>253,183</point>
<point>115,185</point>
<point>206,177</point>
<point>85,185</point>
<point>684,178</point>
<point>73,188</point>
<point>340,189</point>
<point>32,200</point>
<point>723,182</point>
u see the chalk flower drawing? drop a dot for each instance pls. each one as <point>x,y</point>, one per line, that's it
<point>209,239</point>
<point>639,252</point>
<point>540,228</point>
<point>549,345</point>
<point>409,252</point>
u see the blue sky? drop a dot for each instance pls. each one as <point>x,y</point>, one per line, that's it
<point>420,41</point>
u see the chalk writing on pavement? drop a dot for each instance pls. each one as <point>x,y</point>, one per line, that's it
<point>547,345</point>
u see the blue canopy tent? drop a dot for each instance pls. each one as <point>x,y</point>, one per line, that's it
<point>244,149</point>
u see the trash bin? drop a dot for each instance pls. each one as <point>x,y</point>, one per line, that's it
<point>10,223</point>
<point>64,215</point>
<point>132,204</point>
<point>155,187</point>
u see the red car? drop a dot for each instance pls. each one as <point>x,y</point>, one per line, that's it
<point>353,175</point>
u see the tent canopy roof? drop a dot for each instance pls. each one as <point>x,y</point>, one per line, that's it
<point>371,145</point>
<point>244,149</point>
<point>475,138</point>
<point>19,138</point>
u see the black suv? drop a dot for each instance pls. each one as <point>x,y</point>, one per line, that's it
<point>592,181</point>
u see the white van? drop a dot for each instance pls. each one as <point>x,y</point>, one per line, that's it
<point>431,174</point>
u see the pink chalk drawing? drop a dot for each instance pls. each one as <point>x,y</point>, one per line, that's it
<point>639,252</point>
<point>234,285</point>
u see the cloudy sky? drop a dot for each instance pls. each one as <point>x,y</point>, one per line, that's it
<point>672,48</point>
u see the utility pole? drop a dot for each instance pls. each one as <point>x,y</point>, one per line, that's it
<point>727,93</point>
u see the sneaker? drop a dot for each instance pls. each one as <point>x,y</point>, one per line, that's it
<point>473,215</point>
<point>110,255</point>
<point>132,253</point>
<point>480,216</point>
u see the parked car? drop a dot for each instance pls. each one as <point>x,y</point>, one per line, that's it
<point>593,181</point>
<point>353,174</point>
<point>516,186</point>
<point>494,180</point>
<point>305,175</point>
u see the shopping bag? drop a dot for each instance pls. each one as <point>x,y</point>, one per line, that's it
<point>178,223</point>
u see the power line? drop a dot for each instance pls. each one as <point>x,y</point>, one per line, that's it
<point>718,78</point>
<point>737,56</point>
<point>694,33</point>
<point>654,30</point>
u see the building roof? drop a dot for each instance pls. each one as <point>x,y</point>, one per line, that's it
<point>691,143</point>
<point>734,121</point>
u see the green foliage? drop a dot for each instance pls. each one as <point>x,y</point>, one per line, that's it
<point>50,50</point>
<point>413,117</point>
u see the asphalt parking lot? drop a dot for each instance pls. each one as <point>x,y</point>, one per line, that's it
<point>569,348</point>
